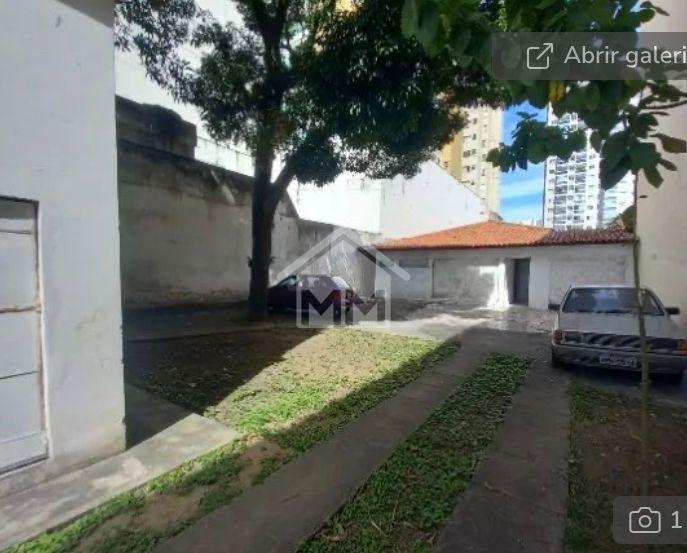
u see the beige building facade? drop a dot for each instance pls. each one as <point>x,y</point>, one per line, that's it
<point>661,221</point>
<point>465,157</point>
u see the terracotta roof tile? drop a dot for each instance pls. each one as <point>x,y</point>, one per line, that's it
<point>497,234</point>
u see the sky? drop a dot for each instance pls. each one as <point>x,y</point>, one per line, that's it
<point>522,191</point>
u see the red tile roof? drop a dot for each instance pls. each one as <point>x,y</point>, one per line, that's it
<point>497,234</point>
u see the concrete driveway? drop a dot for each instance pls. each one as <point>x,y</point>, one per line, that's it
<point>445,319</point>
<point>438,319</point>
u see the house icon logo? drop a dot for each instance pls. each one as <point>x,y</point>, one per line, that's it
<point>340,281</point>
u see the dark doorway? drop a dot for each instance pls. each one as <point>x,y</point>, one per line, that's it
<point>521,281</point>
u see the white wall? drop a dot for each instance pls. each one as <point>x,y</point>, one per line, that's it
<point>57,147</point>
<point>661,221</point>
<point>431,200</point>
<point>351,201</point>
<point>480,277</point>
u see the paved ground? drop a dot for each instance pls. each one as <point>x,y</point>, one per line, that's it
<point>291,504</point>
<point>445,319</point>
<point>176,322</point>
<point>517,498</point>
<point>165,436</point>
<point>629,384</point>
<point>439,319</point>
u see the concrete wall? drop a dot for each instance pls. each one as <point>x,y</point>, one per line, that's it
<point>185,228</point>
<point>57,148</point>
<point>483,277</point>
<point>661,221</point>
<point>431,200</point>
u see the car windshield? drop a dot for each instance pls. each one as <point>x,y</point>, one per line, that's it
<point>609,300</point>
<point>341,283</point>
<point>317,281</point>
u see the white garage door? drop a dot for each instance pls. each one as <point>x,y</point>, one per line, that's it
<point>22,436</point>
<point>418,285</point>
<point>471,285</point>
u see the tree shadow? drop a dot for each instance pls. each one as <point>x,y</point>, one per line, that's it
<point>220,472</point>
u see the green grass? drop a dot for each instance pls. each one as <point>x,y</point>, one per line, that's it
<point>297,400</point>
<point>605,462</point>
<point>410,497</point>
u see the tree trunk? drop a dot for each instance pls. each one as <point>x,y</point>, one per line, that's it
<point>261,256</point>
<point>263,208</point>
<point>644,354</point>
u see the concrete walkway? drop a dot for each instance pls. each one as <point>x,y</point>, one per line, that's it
<point>57,501</point>
<point>517,499</point>
<point>291,504</point>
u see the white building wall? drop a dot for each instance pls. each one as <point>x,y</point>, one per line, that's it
<point>661,221</point>
<point>430,201</point>
<point>480,277</point>
<point>351,201</point>
<point>57,148</point>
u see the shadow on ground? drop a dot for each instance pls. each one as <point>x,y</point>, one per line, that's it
<point>199,372</point>
<point>134,522</point>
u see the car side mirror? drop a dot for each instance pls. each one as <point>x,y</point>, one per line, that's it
<point>673,310</point>
<point>554,306</point>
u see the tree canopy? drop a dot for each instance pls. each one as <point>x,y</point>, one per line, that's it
<point>323,86</point>
<point>622,115</point>
<point>342,87</point>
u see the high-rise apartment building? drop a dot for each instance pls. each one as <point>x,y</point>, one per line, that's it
<point>573,197</point>
<point>465,157</point>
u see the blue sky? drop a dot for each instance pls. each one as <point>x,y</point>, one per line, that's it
<point>522,192</point>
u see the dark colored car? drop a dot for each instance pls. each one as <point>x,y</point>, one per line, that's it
<point>306,292</point>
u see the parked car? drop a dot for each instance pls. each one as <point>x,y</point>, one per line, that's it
<point>598,326</point>
<point>316,292</point>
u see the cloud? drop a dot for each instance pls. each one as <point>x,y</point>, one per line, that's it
<point>518,189</point>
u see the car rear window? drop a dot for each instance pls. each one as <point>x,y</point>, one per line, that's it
<point>341,283</point>
<point>608,300</point>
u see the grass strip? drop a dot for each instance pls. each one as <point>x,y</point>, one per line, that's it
<point>283,405</point>
<point>406,502</point>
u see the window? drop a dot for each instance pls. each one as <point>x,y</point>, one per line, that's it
<point>609,301</point>
<point>288,281</point>
<point>414,263</point>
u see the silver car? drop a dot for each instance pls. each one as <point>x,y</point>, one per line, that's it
<point>598,326</point>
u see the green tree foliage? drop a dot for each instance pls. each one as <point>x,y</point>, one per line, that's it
<point>322,86</point>
<point>623,115</point>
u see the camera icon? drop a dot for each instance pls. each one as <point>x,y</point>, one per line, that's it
<point>644,521</point>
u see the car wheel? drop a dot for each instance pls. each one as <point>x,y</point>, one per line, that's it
<point>556,363</point>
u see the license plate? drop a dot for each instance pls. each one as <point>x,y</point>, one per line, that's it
<point>618,361</point>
